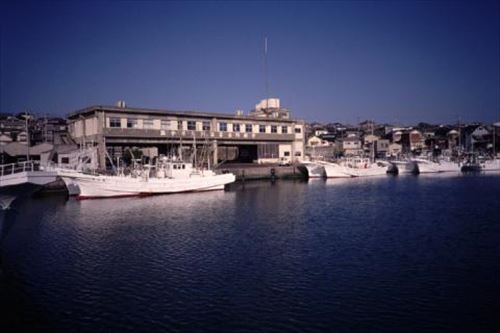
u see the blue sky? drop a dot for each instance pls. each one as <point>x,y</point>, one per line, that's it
<point>391,61</point>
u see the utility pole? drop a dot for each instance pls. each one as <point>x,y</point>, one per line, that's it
<point>26,116</point>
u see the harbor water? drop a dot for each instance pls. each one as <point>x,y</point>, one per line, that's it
<point>385,254</point>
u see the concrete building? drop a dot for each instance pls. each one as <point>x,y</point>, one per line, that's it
<point>382,148</point>
<point>260,137</point>
<point>416,140</point>
<point>352,145</point>
<point>316,141</point>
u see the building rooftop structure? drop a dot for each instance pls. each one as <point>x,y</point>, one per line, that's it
<point>147,111</point>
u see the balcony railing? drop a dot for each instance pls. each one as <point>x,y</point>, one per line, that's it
<point>12,168</point>
<point>199,135</point>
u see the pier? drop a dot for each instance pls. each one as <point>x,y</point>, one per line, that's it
<point>244,172</point>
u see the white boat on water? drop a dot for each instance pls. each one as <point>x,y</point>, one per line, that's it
<point>334,170</point>
<point>169,177</point>
<point>405,166</point>
<point>490,165</point>
<point>355,167</point>
<point>364,167</point>
<point>314,169</point>
<point>449,166</point>
<point>428,166</point>
<point>21,180</point>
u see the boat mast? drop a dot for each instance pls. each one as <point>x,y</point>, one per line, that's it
<point>194,150</point>
<point>459,136</point>
<point>373,146</point>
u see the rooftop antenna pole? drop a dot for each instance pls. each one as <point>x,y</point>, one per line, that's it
<point>266,74</point>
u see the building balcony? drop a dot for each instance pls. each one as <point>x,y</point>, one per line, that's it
<point>199,135</point>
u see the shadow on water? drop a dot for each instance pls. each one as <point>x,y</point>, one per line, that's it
<point>18,313</point>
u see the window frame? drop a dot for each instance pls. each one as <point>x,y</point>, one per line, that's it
<point>206,125</point>
<point>113,121</point>
<point>191,125</point>
<point>165,124</point>
<point>148,124</point>
<point>132,123</point>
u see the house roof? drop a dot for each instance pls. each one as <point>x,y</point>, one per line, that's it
<point>5,138</point>
<point>19,149</point>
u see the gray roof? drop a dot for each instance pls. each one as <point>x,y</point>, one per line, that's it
<point>19,149</point>
<point>94,108</point>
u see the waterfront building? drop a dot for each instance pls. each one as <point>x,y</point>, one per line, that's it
<point>382,148</point>
<point>352,145</point>
<point>266,135</point>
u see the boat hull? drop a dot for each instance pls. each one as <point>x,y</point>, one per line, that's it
<point>370,171</point>
<point>314,170</point>
<point>91,186</point>
<point>491,165</point>
<point>334,170</point>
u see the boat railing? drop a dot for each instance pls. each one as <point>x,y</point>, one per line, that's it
<point>13,168</point>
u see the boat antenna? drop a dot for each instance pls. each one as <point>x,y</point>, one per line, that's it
<point>373,146</point>
<point>194,149</point>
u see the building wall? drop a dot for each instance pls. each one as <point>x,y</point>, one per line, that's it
<point>110,127</point>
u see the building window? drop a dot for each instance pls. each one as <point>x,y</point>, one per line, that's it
<point>165,124</point>
<point>114,122</point>
<point>274,129</point>
<point>262,128</point>
<point>269,150</point>
<point>191,125</point>
<point>132,123</point>
<point>148,124</point>
<point>248,128</point>
<point>298,154</point>
<point>179,125</point>
<point>284,129</point>
<point>286,153</point>
<point>222,127</point>
<point>206,126</point>
<point>65,160</point>
<point>236,127</point>
<point>297,130</point>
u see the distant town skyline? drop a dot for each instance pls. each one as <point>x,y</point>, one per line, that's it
<point>345,61</point>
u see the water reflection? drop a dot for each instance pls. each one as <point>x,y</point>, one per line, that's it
<point>365,254</point>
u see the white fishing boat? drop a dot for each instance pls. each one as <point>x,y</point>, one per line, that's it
<point>169,177</point>
<point>405,166</point>
<point>334,170</point>
<point>21,180</point>
<point>363,167</point>
<point>449,166</point>
<point>313,169</point>
<point>490,165</point>
<point>441,165</point>
<point>426,166</point>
